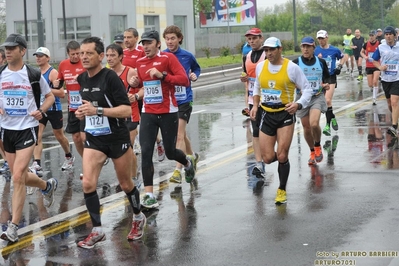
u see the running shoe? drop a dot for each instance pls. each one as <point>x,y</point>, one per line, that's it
<point>92,239</point>
<point>149,202</point>
<point>360,78</point>
<point>335,142</point>
<point>327,130</point>
<point>137,230</point>
<point>11,234</point>
<point>352,74</point>
<point>258,172</point>
<point>318,154</point>
<point>334,124</point>
<point>48,195</point>
<point>374,101</point>
<point>68,163</point>
<point>4,168</point>
<point>37,169</point>
<point>312,160</point>
<point>196,159</point>
<point>190,171</point>
<point>281,197</point>
<point>176,177</point>
<point>392,131</point>
<point>348,71</point>
<point>161,151</point>
<point>177,194</point>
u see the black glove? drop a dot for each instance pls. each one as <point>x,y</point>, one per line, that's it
<point>337,70</point>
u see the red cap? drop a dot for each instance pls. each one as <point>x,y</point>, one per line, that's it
<point>254,31</point>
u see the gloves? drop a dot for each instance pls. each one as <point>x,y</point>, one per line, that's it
<point>337,70</point>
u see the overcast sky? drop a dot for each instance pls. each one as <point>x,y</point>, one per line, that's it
<point>269,3</point>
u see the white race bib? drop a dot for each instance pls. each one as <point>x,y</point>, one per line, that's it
<point>271,97</point>
<point>75,100</point>
<point>97,125</point>
<point>180,93</point>
<point>153,92</point>
<point>15,102</point>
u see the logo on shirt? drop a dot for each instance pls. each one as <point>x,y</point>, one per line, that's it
<point>156,63</point>
<point>79,69</point>
<point>85,90</point>
<point>95,89</point>
<point>271,84</point>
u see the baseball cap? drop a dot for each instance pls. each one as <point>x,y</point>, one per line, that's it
<point>254,31</point>
<point>149,36</point>
<point>390,29</point>
<point>15,39</point>
<point>118,38</point>
<point>272,42</point>
<point>42,51</point>
<point>308,40</point>
<point>322,34</point>
<point>373,32</point>
<point>379,29</point>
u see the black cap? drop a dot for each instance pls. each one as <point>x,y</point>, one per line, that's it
<point>149,36</point>
<point>118,38</point>
<point>373,32</point>
<point>15,39</point>
<point>390,29</point>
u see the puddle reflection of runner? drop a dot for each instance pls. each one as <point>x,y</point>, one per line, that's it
<point>375,137</point>
<point>330,146</point>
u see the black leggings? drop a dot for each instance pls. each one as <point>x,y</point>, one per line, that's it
<point>149,125</point>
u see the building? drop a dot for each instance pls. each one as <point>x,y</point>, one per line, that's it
<point>102,18</point>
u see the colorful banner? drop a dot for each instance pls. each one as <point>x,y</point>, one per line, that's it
<point>239,12</point>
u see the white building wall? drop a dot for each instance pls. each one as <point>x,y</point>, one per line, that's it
<point>99,12</point>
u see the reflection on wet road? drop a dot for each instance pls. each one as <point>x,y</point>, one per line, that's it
<point>228,217</point>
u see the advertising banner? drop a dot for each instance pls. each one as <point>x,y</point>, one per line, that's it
<point>225,13</point>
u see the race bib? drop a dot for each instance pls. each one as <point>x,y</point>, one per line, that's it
<point>315,84</point>
<point>75,100</point>
<point>97,125</point>
<point>251,86</point>
<point>271,97</point>
<point>328,62</point>
<point>370,59</point>
<point>180,93</point>
<point>392,67</point>
<point>15,102</point>
<point>153,92</point>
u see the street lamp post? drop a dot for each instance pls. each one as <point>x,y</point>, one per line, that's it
<point>296,48</point>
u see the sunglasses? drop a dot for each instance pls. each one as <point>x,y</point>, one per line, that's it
<point>320,38</point>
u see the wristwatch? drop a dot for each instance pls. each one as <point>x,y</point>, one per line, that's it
<point>100,111</point>
<point>164,74</point>
<point>43,113</point>
<point>136,96</point>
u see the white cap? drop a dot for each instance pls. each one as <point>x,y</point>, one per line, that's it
<point>322,34</point>
<point>42,51</point>
<point>272,42</point>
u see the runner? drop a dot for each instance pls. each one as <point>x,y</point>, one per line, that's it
<point>255,39</point>
<point>357,43</point>
<point>348,52</point>
<point>68,70</point>
<point>54,113</point>
<point>158,74</point>
<point>331,55</point>
<point>114,55</point>
<point>131,53</point>
<point>105,106</point>
<point>373,73</point>
<point>317,73</point>
<point>184,95</point>
<point>274,89</point>
<point>20,112</point>
<point>388,53</point>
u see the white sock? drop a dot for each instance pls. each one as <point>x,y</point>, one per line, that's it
<point>97,229</point>
<point>178,169</point>
<point>375,91</point>
<point>150,194</point>
<point>138,216</point>
<point>188,164</point>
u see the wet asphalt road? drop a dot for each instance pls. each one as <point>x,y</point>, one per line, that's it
<point>347,203</point>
